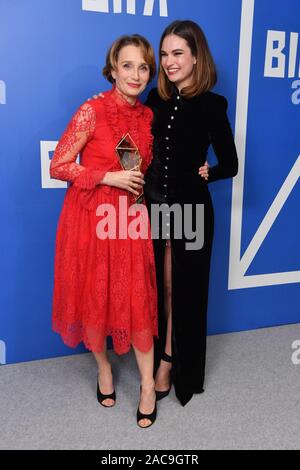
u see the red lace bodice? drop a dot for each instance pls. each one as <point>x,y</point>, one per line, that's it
<point>94,132</point>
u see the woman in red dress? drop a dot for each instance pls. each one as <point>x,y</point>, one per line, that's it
<point>105,284</point>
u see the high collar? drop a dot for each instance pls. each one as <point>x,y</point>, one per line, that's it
<point>175,92</point>
<point>121,101</point>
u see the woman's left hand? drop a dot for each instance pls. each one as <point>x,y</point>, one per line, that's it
<point>95,97</point>
<point>203,171</point>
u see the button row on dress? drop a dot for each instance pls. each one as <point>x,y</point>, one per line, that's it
<point>169,126</point>
<point>172,117</point>
<point>168,225</point>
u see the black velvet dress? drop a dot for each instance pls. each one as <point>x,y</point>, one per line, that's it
<point>183,130</point>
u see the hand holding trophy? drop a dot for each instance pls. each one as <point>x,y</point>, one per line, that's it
<point>130,158</point>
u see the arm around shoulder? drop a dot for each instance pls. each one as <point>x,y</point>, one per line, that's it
<point>151,98</point>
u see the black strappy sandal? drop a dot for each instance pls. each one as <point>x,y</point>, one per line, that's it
<point>101,397</point>
<point>162,394</point>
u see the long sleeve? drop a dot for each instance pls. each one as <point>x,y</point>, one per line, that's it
<point>222,141</point>
<point>77,134</point>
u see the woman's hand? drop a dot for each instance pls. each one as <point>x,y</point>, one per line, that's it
<point>94,97</point>
<point>203,171</point>
<point>131,180</point>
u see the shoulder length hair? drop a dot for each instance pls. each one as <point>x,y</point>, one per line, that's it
<point>204,74</point>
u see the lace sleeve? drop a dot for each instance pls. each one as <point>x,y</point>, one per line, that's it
<point>63,164</point>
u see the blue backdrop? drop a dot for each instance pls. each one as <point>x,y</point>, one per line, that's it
<point>51,57</point>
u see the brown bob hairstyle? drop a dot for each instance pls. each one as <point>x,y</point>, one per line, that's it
<point>133,40</point>
<point>204,75</point>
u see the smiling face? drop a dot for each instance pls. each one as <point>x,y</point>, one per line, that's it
<point>132,73</point>
<point>177,61</point>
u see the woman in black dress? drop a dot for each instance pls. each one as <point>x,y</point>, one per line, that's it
<point>188,117</point>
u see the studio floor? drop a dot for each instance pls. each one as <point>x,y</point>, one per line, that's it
<point>251,401</point>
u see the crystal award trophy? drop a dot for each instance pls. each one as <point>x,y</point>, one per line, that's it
<point>130,158</point>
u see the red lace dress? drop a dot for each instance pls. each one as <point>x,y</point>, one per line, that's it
<point>102,287</point>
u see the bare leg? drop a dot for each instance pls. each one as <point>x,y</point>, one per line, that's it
<point>105,378</point>
<point>145,363</point>
<point>162,378</point>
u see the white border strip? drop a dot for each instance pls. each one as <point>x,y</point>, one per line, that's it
<point>237,279</point>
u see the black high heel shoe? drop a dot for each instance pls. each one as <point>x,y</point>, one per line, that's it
<point>101,397</point>
<point>151,417</point>
<point>162,394</point>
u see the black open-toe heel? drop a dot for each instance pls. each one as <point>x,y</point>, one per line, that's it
<point>162,394</point>
<point>151,417</point>
<point>101,397</point>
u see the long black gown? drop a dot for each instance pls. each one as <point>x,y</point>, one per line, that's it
<point>183,130</point>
